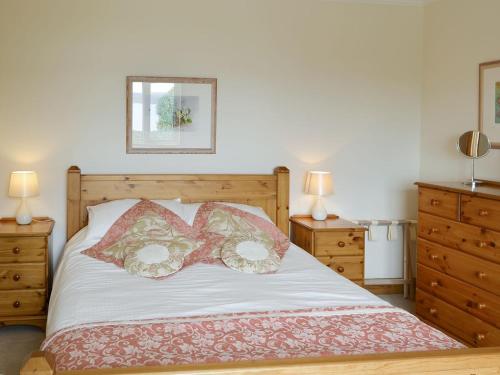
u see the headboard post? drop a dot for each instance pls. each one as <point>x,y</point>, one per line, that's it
<point>73,197</point>
<point>282,199</point>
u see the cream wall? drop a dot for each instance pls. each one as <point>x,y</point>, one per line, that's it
<point>458,35</point>
<point>302,83</point>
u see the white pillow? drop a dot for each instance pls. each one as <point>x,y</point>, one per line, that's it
<point>103,216</point>
<point>190,210</point>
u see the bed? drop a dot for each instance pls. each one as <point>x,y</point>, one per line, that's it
<point>210,320</point>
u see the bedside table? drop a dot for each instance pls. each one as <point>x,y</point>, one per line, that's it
<point>335,242</point>
<point>24,266</point>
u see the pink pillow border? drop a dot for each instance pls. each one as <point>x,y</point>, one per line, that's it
<point>131,216</point>
<point>281,241</point>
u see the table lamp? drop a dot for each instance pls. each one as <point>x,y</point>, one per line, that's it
<point>319,183</point>
<point>23,184</point>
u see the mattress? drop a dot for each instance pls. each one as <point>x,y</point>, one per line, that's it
<point>101,316</point>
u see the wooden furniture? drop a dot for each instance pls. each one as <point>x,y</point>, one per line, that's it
<point>335,242</point>
<point>271,193</point>
<point>24,266</point>
<point>458,271</point>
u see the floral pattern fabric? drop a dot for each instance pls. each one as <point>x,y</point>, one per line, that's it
<point>244,336</point>
<point>257,259</point>
<point>235,225</point>
<point>145,224</point>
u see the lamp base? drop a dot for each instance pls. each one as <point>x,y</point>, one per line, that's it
<point>319,211</point>
<point>23,214</point>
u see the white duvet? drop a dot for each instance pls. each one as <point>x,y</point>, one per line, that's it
<point>87,290</point>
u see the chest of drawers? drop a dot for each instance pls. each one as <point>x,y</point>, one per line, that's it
<point>24,262</point>
<point>335,242</point>
<point>458,263</point>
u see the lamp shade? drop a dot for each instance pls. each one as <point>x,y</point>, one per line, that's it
<point>319,183</point>
<point>23,184</point>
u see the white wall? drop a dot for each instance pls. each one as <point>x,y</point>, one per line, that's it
<point>302,83</point>
<point>458,36</point>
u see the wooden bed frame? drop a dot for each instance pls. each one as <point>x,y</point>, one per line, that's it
<point>271,192</point>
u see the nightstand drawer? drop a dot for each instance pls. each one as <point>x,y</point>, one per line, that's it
<point>22,249</point>
<point>339,243</point>
<point>475,301</point>
<point>459,323</point>
<point>438,202</point>
<point>476,271</point>
<point>22,276</point>
<point>22,302</point>
<point>351,267</point>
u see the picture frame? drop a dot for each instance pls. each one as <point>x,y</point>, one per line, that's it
<point>171,115</point>
<point>489,101</point>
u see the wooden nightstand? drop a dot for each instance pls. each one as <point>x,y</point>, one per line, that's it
<point>24,266</point>
<point>335,242</point>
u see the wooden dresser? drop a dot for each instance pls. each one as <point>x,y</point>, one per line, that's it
<point>337,243</point>
<point>24,265</point>
<point>458,268</point>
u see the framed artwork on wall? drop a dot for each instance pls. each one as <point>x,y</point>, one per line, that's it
<point>168,115</point>
<point>489,101</point>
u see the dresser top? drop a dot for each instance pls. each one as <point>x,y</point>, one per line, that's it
<point>39,227</point>
<point>488,189</point>
<point>331,223</point>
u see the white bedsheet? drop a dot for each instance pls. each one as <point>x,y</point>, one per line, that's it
<point>87,290</point>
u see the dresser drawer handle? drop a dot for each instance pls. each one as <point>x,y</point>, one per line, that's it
<point>340,269</point>
<point>16,304</point>
<point>433,311</point>
<point>483,213</point>
<point>434,257</point>
<point>482,244</point>
<point>434,284</point>
<point>479,336</point>
<point>341,244</point>
<point>435,202</point>
<point>16,277</point>
<point>482,275</point>
<point>434,230</point>
<point>16,250</point>
<point>476,305</point>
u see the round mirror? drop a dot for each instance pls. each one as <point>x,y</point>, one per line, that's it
<point>473,144</point>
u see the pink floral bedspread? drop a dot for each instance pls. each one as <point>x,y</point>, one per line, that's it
<point>244,336</point>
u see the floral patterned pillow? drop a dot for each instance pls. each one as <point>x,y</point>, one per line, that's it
<point>234,226</point>
<point>149,232</point>
<point>249,255</point>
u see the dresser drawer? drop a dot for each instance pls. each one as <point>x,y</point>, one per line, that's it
<point>339,243</point>
<point>480,211</point>
<point>22,249</point>
<point>22,276</point>
<point>22,302</point>
<point>438,202</point>
<point>475,301</point>
<point>459,323</point>
<point>476,271</point>
<point>351,267</point>
<point>477,241</point>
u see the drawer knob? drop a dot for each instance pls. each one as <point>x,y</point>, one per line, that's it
<point>16,250</point>
<point>434,230</point>
<point>435,202</point>
<point>341,244</point>
<point>482,244</point>
<point>340,269</point>
<point>434,257</point>
<point>434,284</point>
<point>433,311</point>
<point>16,304</point>
<point>483,213</point>
<point>16,277</point>
<point>482,275</point>
<point>479,336</point>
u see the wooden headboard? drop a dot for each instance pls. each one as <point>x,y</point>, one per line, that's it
<point>269,191</point>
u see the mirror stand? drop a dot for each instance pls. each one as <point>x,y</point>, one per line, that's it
<point>473,145</point>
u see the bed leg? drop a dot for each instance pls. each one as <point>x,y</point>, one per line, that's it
<point>40,363</point>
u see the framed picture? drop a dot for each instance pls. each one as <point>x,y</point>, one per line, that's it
<point>489,101</point>
<point>171,115</point>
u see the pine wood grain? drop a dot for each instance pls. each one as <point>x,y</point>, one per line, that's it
<point>438,202</point>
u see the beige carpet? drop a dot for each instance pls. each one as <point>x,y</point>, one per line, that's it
<point>16,343</point>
